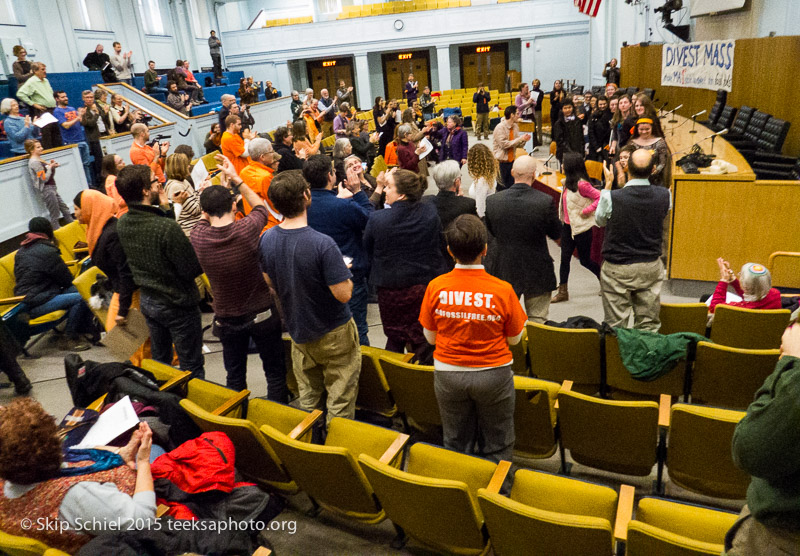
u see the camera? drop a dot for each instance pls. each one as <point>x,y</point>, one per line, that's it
<point>145,118</point>
<point>158,139</point>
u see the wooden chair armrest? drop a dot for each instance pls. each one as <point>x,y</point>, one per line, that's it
<point>12,300</point>
<point>624,512</point>
<point>161,510</point>
<point>664,405</point>
<point>176,381</point>
<point>97,405</point>
<point>80,250</point>
<point>499,476</point>
<point>305,425</point>
<point>407,357</point>
<point>782,295</point>
<point>392,451</point>
<point>232,403</point>
<point>566,386</point>
<point>262,551</point>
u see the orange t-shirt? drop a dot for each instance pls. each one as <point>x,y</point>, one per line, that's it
<point>258,177</point>
<point>472,313</point>
<point>145,155</point>
<point>391,154</point>
<point>233,146</point>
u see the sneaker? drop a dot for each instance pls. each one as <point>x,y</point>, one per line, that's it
<point>74,344</point>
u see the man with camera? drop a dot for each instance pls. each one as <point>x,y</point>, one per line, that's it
<point>150,154</point>
<point>481,99</point>
<point>611,72</point>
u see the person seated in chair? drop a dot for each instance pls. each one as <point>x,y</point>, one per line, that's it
<point>753,285</point>
<point>46,282</point>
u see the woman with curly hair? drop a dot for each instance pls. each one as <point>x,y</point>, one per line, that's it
<point>482,168</point>
<point>36,487</point>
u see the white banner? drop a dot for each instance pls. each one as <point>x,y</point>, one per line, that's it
<point>700,65</point>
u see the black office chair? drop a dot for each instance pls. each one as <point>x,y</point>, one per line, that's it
<point>773,136</point>
<point>650,92</point>
<point>632,90</point>
<point>725,119</point>
<point>577,90</point>
<point>713,115</point>
<point>598,90</point>
<point>740,123</point>
<point>775,171</point>
<point>752,133</point>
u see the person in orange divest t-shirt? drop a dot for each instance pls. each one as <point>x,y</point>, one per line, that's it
<point>258,175</point>
<point>141,153</point>
<point>234,143</point>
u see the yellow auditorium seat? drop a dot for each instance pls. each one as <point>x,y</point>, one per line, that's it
<point>330,475</point>
<point>545,515</point>
<point>742,371</point>
<point>699,451</point>
<point>559,354</point>
<point>373,390</point>
<point>519,352</point>
<point>255,458</point>
<point>83,282</point>
<point>616,436</point>
<point>66,238</point>
<point>622,385</point>
<point>683,317</point>
<point>784,266</point>
<point>535,417</point>
<point>667,528</point>
<point>411,387</point>
<point>435,499</point>
<point>748,328</point>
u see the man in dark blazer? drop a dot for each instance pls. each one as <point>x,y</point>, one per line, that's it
<point>449,202</point>
<point>520,219</point>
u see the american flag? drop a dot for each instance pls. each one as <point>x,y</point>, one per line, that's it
<point>588,7</point>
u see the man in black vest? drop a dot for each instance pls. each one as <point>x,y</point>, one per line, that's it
<point>632,271</point>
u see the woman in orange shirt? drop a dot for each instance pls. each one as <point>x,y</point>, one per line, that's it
<point>110,167</point>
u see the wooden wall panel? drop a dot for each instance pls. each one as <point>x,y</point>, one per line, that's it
<point>765,76</point>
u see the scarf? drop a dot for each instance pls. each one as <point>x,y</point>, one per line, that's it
<point>96,210</point>
<point>30,237</point>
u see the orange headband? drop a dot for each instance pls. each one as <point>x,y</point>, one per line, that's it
<point>644,121</point>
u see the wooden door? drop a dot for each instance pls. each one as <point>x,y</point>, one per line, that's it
<point>396,68</point>
<point>485,64</point>
<point>326,74</point>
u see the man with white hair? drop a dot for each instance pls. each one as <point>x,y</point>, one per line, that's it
<point>258,175</point>
<point>521,219</point>
<point>227,101</point>
<point>327,113</point>
<point>449,201</point>
<point>296,106</point>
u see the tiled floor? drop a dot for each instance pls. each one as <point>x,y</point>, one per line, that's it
<point>327,534</point>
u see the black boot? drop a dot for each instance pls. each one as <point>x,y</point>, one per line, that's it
<point>22,386</point>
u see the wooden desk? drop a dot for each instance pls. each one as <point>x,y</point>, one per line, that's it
<point>730,215</point>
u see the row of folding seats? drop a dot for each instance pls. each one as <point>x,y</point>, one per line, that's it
<point>579,355</point>
<point>444,500</point>
<point>288,21</point>
<point>627,437</point>
<point>388,8</point>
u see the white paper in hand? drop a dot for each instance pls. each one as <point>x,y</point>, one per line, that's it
<point>45,119</point>
<point>112,423</point>
<point>428,147</point>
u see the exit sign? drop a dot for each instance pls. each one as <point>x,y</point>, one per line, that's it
<point>328,63</point>
<point>481,49</point>
<point>404,56</point>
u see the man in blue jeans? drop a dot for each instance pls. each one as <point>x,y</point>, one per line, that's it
<point>164,267</point>
<point>342,216</point>
<point>46,282</point>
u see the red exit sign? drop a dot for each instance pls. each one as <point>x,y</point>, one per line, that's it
<point>481,49</point>
<point>404,56</point>
<point>328,63</point>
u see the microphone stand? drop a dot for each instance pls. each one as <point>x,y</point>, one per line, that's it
<point>673,120</point>
<point>693,130</point>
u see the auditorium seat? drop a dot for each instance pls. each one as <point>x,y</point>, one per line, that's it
<point>559,354</point>
<point>784,266</point>
<point>742,370</point>
<point>699,451</point>
<point>752,133</point>
<point>676,529</point>
<point>411,386</point>
<point>373,390</point>
<point>739,125</point>
<point>66,238</point>
<point>621,385</point>
<point>330,474</point>
<point>535,417</point>
<point>435,499</point>
<point>546,515</point>
<point>619,437</point>
<point>683,317</point>
<point>14,545</point>
<point>725,119</point>
<point>770,142</point>
<point>748,328</point>
<point>84,282</point>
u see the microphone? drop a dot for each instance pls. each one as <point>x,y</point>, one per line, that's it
<point>722,132</point>
<point>698,114</point>
<point>547,171</point>
<point>663,106</point>
<point>694,120</point>
<point>673,120</point>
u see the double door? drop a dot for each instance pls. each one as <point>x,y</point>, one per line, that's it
<point>485,64</point>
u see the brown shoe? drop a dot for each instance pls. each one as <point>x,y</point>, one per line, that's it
<point>561,295</point>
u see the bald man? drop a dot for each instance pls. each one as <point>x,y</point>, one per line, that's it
<point>326,106</point>
<point>632,272</point>
<point>521,218</point>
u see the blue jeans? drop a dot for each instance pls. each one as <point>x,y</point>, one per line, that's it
<point>182,326</point>
<point>78,313</point>
<point>358,306</point>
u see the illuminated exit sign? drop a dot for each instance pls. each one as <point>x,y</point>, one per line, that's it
<point>481,49</point>
<point>328,63</point>
<point>404,56</point>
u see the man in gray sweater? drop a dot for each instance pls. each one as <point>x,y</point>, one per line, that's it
<point>214,45</point>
